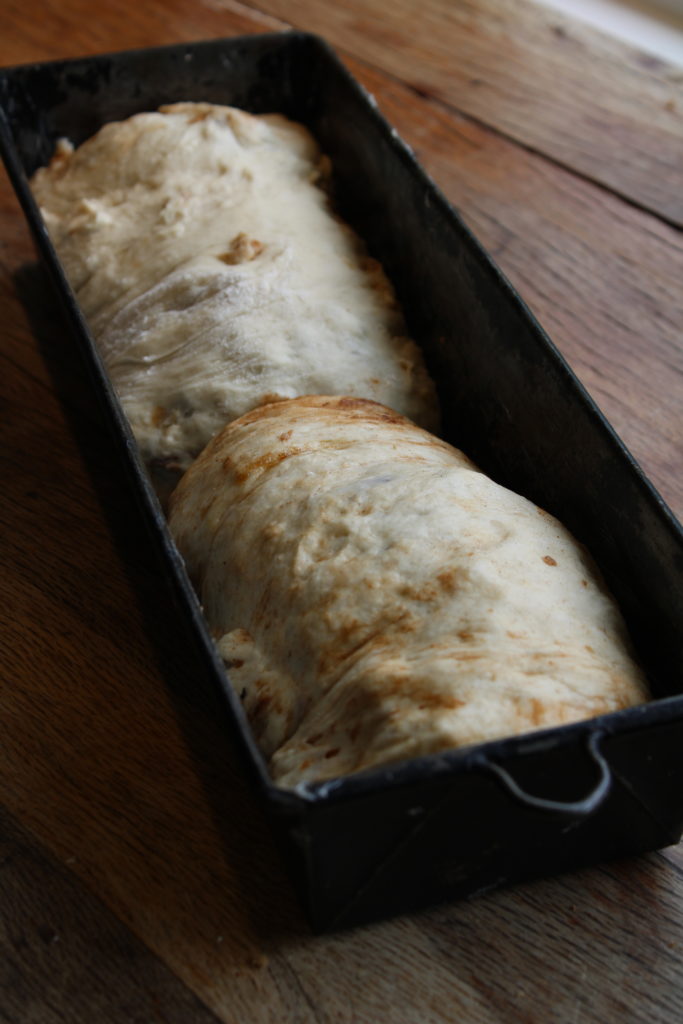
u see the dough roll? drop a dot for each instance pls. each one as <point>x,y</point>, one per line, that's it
<point>376,597</point>
<point>202,248</point>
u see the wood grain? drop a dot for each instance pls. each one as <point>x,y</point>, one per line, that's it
<point>602,277</point>
<point>132,835</point>
<point>587,101</point>
<point>62,953</point>
<point>595,271</point>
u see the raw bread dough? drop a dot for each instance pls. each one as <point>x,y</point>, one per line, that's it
<point>376,597</point>
<point>213,275</point>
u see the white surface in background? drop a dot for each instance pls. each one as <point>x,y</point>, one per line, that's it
<point>655,26</point>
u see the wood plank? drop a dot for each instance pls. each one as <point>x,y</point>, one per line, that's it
<point>65,957</point>
<point>56,31</point>
<point>112,769</point>
<point>558,86</point>
<point>111,761</point>
<point>110,775</point>
<point>110,779</point>
<point>602,277</point>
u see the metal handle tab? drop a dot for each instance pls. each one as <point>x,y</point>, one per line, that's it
<point>577,808</point>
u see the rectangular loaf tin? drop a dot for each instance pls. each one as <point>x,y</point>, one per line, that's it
<point>445,826</point>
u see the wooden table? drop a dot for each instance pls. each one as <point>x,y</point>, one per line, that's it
<point>564,152</point>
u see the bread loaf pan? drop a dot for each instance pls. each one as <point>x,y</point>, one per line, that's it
<point>444,826</point>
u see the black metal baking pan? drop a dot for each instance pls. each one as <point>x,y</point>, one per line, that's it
<point>451,825</point>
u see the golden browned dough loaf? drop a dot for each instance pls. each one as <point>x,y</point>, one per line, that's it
<point>376,597</point>
<point>203,252</point>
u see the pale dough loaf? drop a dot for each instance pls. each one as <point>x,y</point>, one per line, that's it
<point>376,597</point>
<point>203,253</point>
